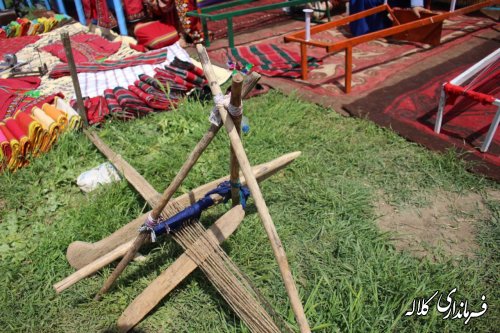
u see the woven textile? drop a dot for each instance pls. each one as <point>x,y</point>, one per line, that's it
<point>150,58</point>
<point>271,60</point>
<point>86,48</point>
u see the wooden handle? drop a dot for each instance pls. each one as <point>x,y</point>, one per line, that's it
<point>234,168</point>
<point>262,209</point>
<point>92,267</point>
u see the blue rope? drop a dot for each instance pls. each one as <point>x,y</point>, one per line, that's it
<point>194,211</point>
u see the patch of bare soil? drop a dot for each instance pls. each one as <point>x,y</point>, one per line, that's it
<point>447,226</point>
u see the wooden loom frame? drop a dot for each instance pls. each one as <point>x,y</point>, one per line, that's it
<point>349,43</point>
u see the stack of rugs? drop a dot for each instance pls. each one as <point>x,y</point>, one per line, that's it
<point>30,125</point>
<point>148,94</point>
<point>25,27</point>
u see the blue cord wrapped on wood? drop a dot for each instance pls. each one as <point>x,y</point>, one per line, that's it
<point>158,228</point>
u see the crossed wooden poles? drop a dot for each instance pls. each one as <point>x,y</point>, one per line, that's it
<point>164,207</point>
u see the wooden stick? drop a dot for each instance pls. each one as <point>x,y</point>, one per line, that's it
<point>262,209</point>
<point>155,214</point>
<point>134,178</point>
<point>92,267</point>
<point>81,253</point>
<point>160,207</point>
<point>233,163</point>
<point>175,273</point>
<point>74,77</point>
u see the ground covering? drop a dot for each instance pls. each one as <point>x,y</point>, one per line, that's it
<point>350,275</point>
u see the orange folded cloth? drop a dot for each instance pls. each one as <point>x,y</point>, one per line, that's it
<point>49,125</point>
<point>56,114</point>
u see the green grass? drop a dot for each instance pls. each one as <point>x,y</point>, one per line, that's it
<point>349,276</point>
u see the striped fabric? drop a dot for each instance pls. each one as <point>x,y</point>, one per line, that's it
<point>133,106</point>
<point>271,60</point>
<point>151,58</point>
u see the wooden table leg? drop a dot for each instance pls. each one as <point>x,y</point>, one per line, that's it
<point>303,60</point>
<point>348,69</point>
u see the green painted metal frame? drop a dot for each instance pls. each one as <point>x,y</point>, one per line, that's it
<point>203,14</point>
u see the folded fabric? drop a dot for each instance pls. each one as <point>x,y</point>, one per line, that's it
<point>161,95</point>
<point>187,75</point>
<point>132,105</point>
<point>113,105</point>
<point>86,48</point>
<point>5,150</point>
<point>151,100</point>
<point>49,125</point>
<point>13,162</point>
<point>96,109</point>
<point>23,139</point>
<point>153,57</point>
<point>34,130</point>
<point>155,34</point>
<point>172,80</point>
<point>271,60</point>
<point>74,119</point>
<point>59,116</point>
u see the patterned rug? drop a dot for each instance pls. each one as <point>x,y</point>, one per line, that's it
<point>373,61</point>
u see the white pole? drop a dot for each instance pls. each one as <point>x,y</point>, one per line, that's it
<point>308,13</point>
<point>452,5</point>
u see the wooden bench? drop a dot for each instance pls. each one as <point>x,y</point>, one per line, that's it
<point>205,16</point>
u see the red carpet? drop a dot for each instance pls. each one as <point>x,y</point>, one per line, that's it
<point>410,107</point>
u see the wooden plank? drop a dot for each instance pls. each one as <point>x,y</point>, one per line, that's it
<point>134,178</point>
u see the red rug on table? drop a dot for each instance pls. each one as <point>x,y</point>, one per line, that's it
<point>410,107</point>
<point>13,45</point>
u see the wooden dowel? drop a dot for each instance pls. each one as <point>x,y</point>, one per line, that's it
<point>235,101</point>
<point>262,209</point>
<point>74,77</point>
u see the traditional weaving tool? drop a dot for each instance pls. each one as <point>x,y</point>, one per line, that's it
<point>228,280</point>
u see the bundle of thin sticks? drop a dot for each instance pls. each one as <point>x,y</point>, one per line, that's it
<point>225,276</point>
